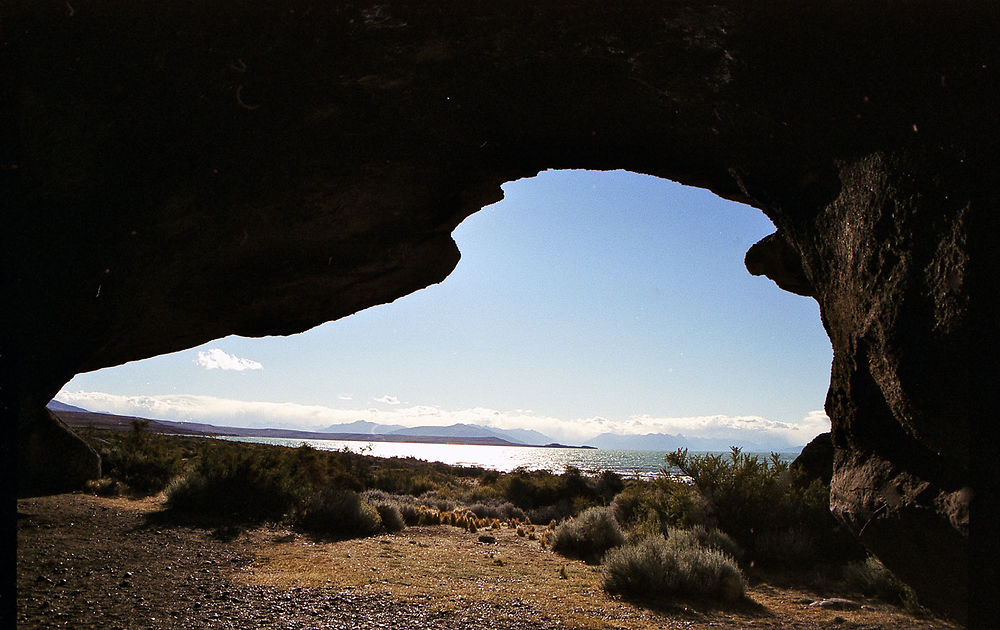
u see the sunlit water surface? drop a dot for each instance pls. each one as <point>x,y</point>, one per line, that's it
<point>501,458</point>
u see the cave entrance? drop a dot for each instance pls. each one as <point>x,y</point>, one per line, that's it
<point>585,302</point>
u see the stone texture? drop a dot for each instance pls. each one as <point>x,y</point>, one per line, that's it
<point>174,172</point>
<point>816,459</point>
<point>50,457</point>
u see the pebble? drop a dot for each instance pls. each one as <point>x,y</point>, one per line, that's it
<point>836,603</point>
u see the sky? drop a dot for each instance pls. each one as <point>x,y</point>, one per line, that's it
<point>585,302</point>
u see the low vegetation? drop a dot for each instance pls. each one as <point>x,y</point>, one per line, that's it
<point>337,513</point>
<point>589,535</point>
<point>871,577</point>
<point>666,568</point>
<point>136,463</point>
<point>773,517</point>
<point>692,532</point>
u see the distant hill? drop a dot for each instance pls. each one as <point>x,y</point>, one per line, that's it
<point>459,433</point>
<point>517,436</point>
<point>55,405</point>
<point>81,418</point>
<point>525,436</point>
<point>458,430</point>
<point>670,442</point>
<point>362,426</point>
<point>84,418</point>
<point>454,430</point>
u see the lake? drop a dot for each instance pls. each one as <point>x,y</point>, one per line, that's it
<point>501,458</point>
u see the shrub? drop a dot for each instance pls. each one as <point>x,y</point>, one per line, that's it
<point>433,499</point>
<point>745,492</point>
<point>871,577</point>
<point>709,538</point>
<point>389,513</point>
<point>399,481</point>
<point>755,500</point>
<point>667,501</point>
<point>235,481</point>
<point>497,509</point>
<point>375,495</point>
<point>609,484</point>
<point>141,464</point>
<point>428,516</point>
<point>540,488</point>
<point>547,513</point>
<point>337,513</point>
<point>489,477</point>
<point>589,535</point>
<point>105,487</point>
<point>788,547</point>
<point>410,513</point>
<point>661,568</point>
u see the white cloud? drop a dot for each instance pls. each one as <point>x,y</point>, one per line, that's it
<point>345,397</point>
<point>387,399</point>
<point>218,359</point>
<point>213,410</point>
<point>228,412</point>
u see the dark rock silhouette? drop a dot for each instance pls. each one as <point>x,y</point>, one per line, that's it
<point>174,172</point>
<point>816,459</point>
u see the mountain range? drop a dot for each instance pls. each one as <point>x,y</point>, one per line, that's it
<point>352,431</point>
<point>670,442</point>
<point>459,433</point>
<point>459,430</point>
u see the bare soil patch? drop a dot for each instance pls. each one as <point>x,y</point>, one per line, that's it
<point>91,562</point>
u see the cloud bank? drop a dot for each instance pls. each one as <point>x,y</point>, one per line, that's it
<point>229,412</point>
<point>218,359</point>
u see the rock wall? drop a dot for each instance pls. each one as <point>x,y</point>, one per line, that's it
<point>178,171</point>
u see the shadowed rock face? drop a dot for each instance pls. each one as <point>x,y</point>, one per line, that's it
<point>178,171</point>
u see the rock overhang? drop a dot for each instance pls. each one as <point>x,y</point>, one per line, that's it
<point>182,171</point>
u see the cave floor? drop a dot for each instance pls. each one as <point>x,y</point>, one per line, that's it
<point>92,562</point>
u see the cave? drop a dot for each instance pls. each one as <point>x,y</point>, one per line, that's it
<point>177,172</point>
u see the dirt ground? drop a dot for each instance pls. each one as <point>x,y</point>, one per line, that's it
<point>91,562</point>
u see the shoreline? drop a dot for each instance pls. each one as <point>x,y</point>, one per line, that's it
<point>82,420</point>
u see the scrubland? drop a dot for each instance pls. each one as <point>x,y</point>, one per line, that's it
<point>735,541</point>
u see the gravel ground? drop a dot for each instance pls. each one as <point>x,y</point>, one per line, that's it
<point>90,562</point>
<point>86,562</point>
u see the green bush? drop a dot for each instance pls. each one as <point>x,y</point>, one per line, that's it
<point>666,501</point>
<point>337,513</point>
<point>138,463</point>
<point>746,494</point>
<point>779,519</point>
<point>530,490</point>
<point>399,481</point>
<point>589,535</point>
<point>709,538</point>
<point>661,568</point>
<point>236,481</point>
<point>608,484</point>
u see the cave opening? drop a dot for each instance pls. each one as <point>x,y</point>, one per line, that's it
<point>585,303</point>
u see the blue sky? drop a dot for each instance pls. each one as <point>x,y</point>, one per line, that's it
<point>584,302</point>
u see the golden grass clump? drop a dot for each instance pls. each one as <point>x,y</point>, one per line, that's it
<point>428,516</point>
